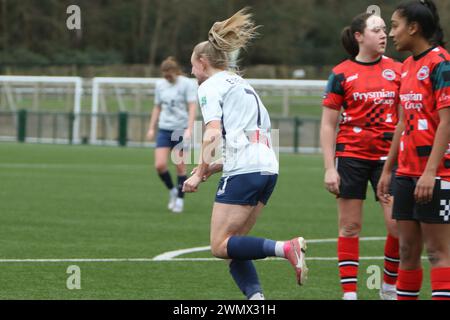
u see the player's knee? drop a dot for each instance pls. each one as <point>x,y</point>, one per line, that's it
<point>161,167</point>
<point>392,228</point>
<point>409,255</point>
<point>433,256</point>
<point>437,257</point>
<point>350,230</point>
<point>219,250</point>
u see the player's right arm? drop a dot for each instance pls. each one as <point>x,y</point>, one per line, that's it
<point>153,120</point>
<point>213,168</point>
<point>329,123</point>
<point>211,141</point>
<point>384,183</point>
<point>210,105</point>
<point>332,103</point>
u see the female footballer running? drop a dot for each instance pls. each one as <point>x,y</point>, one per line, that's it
<point>235,115</point>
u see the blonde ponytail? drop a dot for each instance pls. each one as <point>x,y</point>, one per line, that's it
<point>226,38</point>
<point>234,33</point>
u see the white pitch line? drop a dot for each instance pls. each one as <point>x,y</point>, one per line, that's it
<point>278,259</point>
<point>272,259</point>
<point>68,166</point>
<point>78,260</point>
<point>172,255</point>
<point>160,260</point>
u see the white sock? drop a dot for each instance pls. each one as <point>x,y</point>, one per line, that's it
<point>388,287</point>
<point>279,249</point>
<point>350,296</point>
<point>257,296</point>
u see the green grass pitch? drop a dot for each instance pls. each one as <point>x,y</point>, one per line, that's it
<point>85,202</point>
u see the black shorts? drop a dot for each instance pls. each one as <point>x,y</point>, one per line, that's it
<point>406,208</point>
<point>355,174</point>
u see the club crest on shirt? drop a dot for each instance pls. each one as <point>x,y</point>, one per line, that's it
<point>203,101</point>
<point>444,98</point>
<point>423,73</point>
<point>388,74</point>
<point>351,78</point>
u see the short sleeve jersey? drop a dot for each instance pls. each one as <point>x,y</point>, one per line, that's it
<point>230,99</point>
<point>367,96</point>
<point>173,99</point>
<point>425,89</point>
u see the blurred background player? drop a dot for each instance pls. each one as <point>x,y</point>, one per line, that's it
<point>234,114</point>
<point>174,111</point>
<point>366,88</point>
<point>422,145</point>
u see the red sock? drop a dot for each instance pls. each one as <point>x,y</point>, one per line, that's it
<point>440,283</point>
<point>348,256</point>
<point>408,284</point>
<point>391,260</point>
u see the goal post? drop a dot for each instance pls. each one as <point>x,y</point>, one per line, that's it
<point>112,96</point>
<point>13,86</point>
<point>97,84</point>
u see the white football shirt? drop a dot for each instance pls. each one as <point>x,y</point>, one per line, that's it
<point>230,99</point>
<point>173,99</point>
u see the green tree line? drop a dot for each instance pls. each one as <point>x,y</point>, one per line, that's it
<point>294,32</point>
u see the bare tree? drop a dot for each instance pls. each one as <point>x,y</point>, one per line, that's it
<point>154,43</point>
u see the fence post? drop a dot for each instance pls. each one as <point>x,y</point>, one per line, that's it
<point>123,128</point>
<point>21,125</point>
<point>71,117</point>
<point>285,102</point>
<point>297,124</point>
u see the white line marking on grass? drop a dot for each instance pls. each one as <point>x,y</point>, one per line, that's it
<point>272,259</point>
<point>79,260</point>
<point>69,166</point>
<point>172,255</point>
<point>167,260</point>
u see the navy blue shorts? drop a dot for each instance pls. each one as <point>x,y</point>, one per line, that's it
<point>246,189</point>
<point>169,138</point>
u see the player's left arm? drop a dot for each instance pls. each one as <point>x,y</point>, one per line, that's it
<point>440,78</point>
<point>192,109</point>
<point>191,98</point>
<point>425,185</point>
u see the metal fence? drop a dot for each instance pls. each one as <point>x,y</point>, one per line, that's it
<point>299,135</point>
